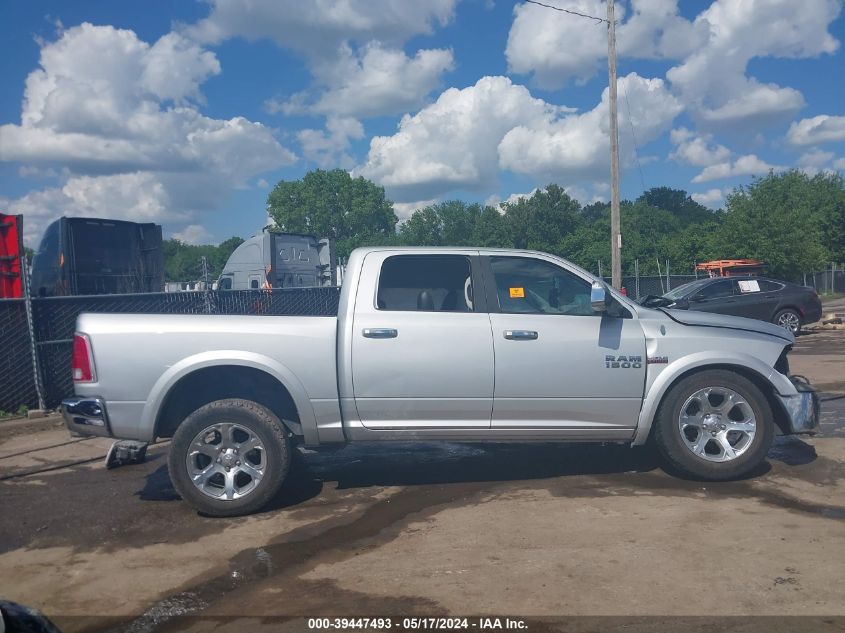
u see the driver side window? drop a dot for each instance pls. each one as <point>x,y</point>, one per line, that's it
<point>534,286</point>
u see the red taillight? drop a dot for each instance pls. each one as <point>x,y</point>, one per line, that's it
<point>82,361</point>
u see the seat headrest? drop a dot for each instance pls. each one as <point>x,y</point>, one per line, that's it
<point>425,301</point>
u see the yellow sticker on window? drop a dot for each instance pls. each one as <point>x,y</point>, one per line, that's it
<point>517,293</point>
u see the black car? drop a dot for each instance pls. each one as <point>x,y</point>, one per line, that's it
<point>780,302</point>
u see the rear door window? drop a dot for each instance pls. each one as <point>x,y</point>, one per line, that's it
<point>425,283</point>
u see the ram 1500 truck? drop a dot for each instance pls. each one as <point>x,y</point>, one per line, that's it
<point>453,344</point>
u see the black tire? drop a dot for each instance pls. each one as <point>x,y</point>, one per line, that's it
<point>247,414</point>
<point>790,315</point>
<point>674,450</point>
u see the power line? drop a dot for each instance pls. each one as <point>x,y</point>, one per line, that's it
<point>634,137</point>
<point>569,11</point>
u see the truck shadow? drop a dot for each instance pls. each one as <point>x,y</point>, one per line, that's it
<point>442,463</point>
<point>430,463</point>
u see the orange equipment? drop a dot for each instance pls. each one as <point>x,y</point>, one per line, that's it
<point>731,267</point>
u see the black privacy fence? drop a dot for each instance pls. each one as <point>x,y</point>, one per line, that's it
<point>54,322</point>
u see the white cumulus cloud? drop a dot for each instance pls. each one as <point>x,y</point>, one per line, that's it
<point>816,161</point>
<point>818,129</point>
<point>318,27</point>
<point>711,198</point>
<point>555,47</point>
<point>748,165</point>
<point>463,139</point>
<point>452,143</point>
<point>576,147</point>
<point>697,150</point>
<point>118,118</point>
<point>713,50</point>
<point>713,80</point>
<point>353,49</point>
<point>327,148</point>
<point>194,234</point>
<point>374,81</point>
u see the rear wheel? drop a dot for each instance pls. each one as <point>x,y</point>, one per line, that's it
<point>788,319</point>
<point>229,457</point>
<point>714,425</point>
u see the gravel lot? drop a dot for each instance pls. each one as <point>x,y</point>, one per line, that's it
<point>437,529</point>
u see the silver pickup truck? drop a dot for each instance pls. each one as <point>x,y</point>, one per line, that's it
<point>455,344</point>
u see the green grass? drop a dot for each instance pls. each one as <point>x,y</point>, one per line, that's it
<point>21,412</point>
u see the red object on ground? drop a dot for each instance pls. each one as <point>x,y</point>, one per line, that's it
<point>11,247</point>
<point>731,267</point>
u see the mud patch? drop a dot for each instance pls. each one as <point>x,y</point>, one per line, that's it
<point>300,551</point>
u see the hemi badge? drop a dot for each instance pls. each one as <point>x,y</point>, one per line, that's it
<point>657,360</point>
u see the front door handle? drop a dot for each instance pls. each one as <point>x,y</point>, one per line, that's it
<point>521,335</point>
<point>380,332</point>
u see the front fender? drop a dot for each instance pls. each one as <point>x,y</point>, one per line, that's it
<point>218,358</point>
<point>702,360</point>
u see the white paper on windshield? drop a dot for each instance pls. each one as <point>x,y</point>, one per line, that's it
<point>749,285</point>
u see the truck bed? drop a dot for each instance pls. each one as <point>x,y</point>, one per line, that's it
<point>55,317</point>
<point>140,356</point>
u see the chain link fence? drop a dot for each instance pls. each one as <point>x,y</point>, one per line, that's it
<point>54,320</point>
<point>640,286</point>
<point>17,370</point>
<point>831,280</point>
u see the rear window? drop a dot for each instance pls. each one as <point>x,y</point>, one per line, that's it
<point>102,248</point>
<point>425,283</point>
<point>767,285</point>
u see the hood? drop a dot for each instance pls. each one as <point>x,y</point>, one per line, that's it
<point>710,319</point>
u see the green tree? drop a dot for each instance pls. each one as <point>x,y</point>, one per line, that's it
<point>490,230</point>
<point>352,211</point>
<point>450,223</point>
<point>183,262</point>
<point>791,221</point>
<point>679,203</point>
<point>542,221</point>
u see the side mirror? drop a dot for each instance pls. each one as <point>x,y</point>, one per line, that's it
<point>598,297</point>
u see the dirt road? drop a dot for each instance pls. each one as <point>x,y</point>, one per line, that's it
<point>435,529</point>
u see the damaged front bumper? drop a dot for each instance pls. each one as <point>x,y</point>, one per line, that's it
<point>803,410</point>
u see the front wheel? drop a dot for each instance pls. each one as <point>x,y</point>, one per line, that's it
<point>714,425</point>
<point>788,319</point>
<point>229,457</point>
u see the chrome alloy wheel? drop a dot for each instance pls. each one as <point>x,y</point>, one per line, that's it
<point>789,321</point>
<point>226,461</point>
<point>717,424</point>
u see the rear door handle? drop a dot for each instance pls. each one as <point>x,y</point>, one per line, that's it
<point>380,332</point>
<point>521,335</point>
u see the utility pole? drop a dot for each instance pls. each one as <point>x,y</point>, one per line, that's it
<point>615,230</point>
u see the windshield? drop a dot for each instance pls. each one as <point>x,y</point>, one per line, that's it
<point>682,291</point>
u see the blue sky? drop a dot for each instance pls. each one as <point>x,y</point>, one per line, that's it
<point>188,112</point>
